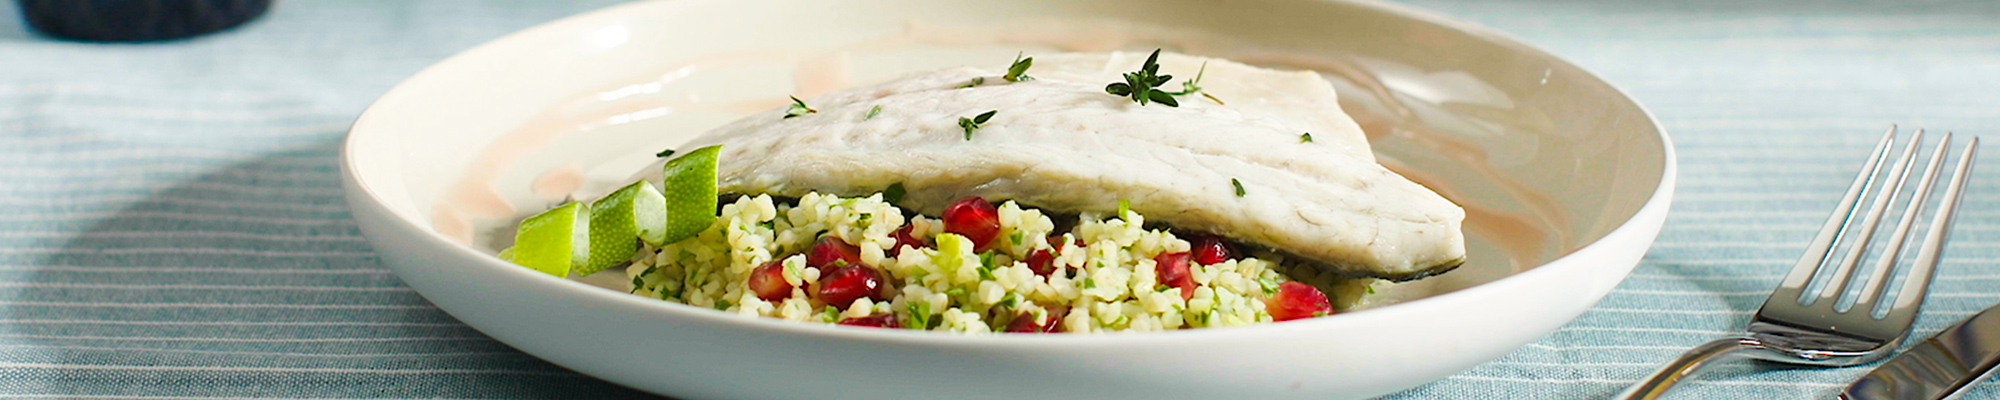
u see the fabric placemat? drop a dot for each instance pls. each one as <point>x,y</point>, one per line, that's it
<point>171,223</point>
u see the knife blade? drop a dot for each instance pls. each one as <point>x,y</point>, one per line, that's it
<point>1939,368</point>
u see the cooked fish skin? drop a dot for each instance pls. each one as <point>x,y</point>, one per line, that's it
<point>1060,142</point>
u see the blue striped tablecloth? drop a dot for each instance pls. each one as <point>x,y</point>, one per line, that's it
<point>171,224</point>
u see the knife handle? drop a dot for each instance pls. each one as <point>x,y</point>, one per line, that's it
<point>1939,368</point>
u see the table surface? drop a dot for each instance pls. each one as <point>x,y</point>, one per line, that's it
<point>171,223</point>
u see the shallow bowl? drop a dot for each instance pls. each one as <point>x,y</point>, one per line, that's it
<point>1565,180</point>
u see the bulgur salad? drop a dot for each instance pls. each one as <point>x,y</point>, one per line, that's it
<point>977,268</point>
<point>856,212</point>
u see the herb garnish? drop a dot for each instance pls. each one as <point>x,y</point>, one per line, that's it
<point>1239,186</point>
<point>976,81</point>
<point>1306,137</point>
<point>986,265</point>
<point>1194,86</point>
<point>1018,71</point>
<point>920,317</point>
<point>872,112</point>
<point>893,194</point>
<point>798,108</point>
<point>664,153</point>
<point>972,124</point>
<point>1142,85</point>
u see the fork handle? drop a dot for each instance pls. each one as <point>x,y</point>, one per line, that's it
<point>1694,360</point>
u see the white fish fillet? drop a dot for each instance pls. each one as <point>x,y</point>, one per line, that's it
<point>1061,143</point>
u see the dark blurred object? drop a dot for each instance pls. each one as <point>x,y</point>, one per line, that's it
<point>137,20</point>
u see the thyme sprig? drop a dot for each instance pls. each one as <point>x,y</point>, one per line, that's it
<point>1019,71</point>
<point>976,81</point>
<point>1194,86</point>
<point>1142,85</point>
<point>971,125</point>
<point>798,108</point>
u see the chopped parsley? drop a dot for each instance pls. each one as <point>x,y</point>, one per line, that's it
<point>798,108</point>
<point>893,194</point>
<point>664,153</point>
<point>971,125</point>
<point>832,314</point>
<point>872,112</point>
<point>1306,137</point>
<point>722,305</point>
<point>920,316</point>
<point>1019,71</point>
<point>1142,85</point>
<point>1239,186</point>
<point>986,265</point>
<point>976,81</point>
<point>1124,207</point>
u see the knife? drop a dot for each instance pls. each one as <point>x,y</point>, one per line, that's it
<point>1940,368</point>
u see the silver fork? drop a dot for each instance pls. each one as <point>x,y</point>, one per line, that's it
<point>1798,326</point>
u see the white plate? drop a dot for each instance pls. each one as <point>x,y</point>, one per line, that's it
<point>1566,181</point>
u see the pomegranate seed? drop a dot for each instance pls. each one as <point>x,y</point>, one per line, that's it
<point>905,237</point>
<point>1172,270</point>
<point>1211,249</point>
<point>1043,262</point>
<point>768,281</point>
<point>841,286</point>
<point>1026,323</point>
<point>1297,300</point>
<point>830,252</point>
<point>874,321</point>
<point>975,219</point>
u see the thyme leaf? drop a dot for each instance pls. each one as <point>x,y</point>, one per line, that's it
<point>971,125</point>
<point>1019,71</point>
<point>1306,137</point>
<point>1239,186</point>
<point>1194,86</point>
<point>872,112</point>
<point>798,108</point>
<point>664,153</point>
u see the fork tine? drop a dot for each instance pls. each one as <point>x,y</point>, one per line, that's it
<point>1921,271</point>
<point>1794,285</point>
<point>1885,265</point>
<point>1844,272</point>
